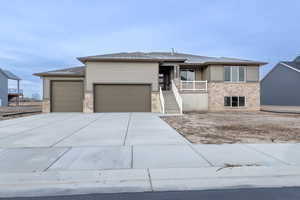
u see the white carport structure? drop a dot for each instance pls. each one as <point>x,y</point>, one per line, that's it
<point>12,91</point>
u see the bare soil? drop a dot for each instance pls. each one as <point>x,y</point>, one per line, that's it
<point>23,109</point>
<point>237,127</point>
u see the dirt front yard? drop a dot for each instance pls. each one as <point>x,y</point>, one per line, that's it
<point>25,109</point>
<point>237,127</point>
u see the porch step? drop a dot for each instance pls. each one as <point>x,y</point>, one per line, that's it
<point>171,106</point>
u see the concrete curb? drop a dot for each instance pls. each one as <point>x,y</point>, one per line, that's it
<point>141,180</point>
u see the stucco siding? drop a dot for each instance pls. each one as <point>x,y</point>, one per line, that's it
<point>3,90</point>
<point>47,84</point>
<point>216,73</point>
<point>252,73</point>
<point>206,74</point>
<point>281,87</point>
<point>121,72</point>
<point>194,101</point>
<point>198,74</point>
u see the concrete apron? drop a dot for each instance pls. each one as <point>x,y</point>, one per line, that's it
<point>53,183</point>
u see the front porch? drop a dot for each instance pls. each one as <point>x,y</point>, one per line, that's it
<point>186,79</point>
<point>183,88</point>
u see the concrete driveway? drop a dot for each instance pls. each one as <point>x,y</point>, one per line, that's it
<point>77,141</point>
<point>127,151</point>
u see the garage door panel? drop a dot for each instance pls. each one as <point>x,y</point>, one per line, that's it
<point>123,98</point>
<point>66,96</point>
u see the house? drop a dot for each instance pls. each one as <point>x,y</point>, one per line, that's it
<point>166,82</point>
<point>5,92</point>
<point>281,86</point>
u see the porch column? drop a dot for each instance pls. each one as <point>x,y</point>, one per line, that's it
<point>18,97</point>
<point>177,75</point>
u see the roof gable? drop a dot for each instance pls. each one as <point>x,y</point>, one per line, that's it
<point>9,75</point>
<point>73,71</point>
<point>292,65</point>
<point>297,59</point>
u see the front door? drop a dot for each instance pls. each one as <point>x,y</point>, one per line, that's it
<point>164,79</point>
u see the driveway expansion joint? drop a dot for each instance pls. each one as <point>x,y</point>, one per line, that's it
<point>59,157</point>
<point>89,123</point>
<point>127,128</point>
<point>150,180</point>
<point>266,154</point>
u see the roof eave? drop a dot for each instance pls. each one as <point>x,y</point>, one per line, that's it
<point>85,59</point>
<point>236,63</point>
<point>222,63</point>
<point>57,75</point>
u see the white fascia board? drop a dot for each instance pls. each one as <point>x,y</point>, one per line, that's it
<point>290,67</point>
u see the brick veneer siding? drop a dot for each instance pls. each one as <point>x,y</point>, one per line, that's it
<point>217,92</point>
<point>46,106</point>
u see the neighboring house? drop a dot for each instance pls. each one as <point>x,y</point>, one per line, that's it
<point>281,86</point>
<point>153,82</point>
<point>5,92</point>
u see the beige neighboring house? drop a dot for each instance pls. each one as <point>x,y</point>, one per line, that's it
<point>165,82</point>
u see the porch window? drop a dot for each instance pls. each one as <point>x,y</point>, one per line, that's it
<point>234,73</point>
<point>187,74</point>
<point>234,101</point>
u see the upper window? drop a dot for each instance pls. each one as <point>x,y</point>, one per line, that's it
<point>234,73</point>
<point>187,74</point>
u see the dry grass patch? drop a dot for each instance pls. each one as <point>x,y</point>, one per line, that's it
<point>237,127</point>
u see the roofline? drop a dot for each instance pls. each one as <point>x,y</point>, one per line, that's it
<point>286,65</point>
<point>16,79</point>
<point>223,63</point>
<point>237,62</point>
<point>270,71</point>
<point>86,59</point>
<point>56,75</point>
<point>278,64</point>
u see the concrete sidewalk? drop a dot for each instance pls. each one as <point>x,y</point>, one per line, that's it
<point>141,180</point>
<point>159,169</point>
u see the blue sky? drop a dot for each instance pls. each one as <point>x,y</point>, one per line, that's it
<point>43,35</point>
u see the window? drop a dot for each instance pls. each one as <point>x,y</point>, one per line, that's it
<point>187,75</point>
<point>227,101</point>
<point>241,101</point>
<point>234,101</point>
<point>227,73</point>
<point>234,73</point>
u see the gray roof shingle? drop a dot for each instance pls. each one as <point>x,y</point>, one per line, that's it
<point>73,71</point>
<point>165,57</point>
<point>9,75</point>
<point>162,57</point>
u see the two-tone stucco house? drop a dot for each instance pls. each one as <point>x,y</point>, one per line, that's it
<point>6,92</point>
<point>153,82</point>
<point>281,86</point>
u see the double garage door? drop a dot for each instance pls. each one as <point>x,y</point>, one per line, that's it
<point>122,98</point>
<point>67,96</point>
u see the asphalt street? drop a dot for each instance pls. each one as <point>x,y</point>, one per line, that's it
<point>288,193</point>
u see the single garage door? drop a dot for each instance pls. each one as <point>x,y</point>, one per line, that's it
<point>66,96</point>
<point>122,98</point>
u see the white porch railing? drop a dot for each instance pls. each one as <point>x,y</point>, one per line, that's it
<point>162,100</point>
<point>177,96</point>
<point>193,85</point>
<point>15,91</point>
